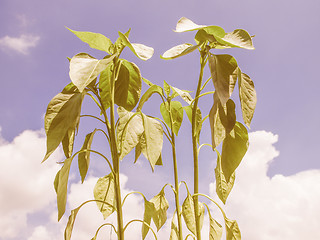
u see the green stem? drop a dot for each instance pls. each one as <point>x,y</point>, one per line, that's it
<point>195,146</point>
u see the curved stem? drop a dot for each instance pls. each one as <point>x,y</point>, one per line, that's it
<point>201,95</point>
<point>138,220</point>
<point>205,84</point>
<point>223,213</point>
<point>204,144</point>
<point>105,224</point>
<point>88,115</point>
<point>132,193</point>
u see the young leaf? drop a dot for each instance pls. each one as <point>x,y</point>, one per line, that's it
<point>232,228</point>
<point>166,88</point>
<point>183,94</point>
<point>104,191</point>
<point>248,97</point>
<point>62,188</point>
<point>174,230</point>
<point>238,38</point>
<point>128,85</point>
<point>149,211</point>
<point>178,51</point>
<point>69,227</point>
<point>141,51</point>
<point>153,135</point>
<point>129,131</point>
<point>234,148</point>
<point>151,90</point>
<point>104,85</point>
<point>224,75</point>
<point>84,69</point>
<point>176,114</point>
<point>184,24</point>
<point>95,40</point>
<point>215,232</point>
<point>161,206</point>
<point>223,188</point>
<point>67,142</point>
<point>63,114</point>
<point>84,157</point>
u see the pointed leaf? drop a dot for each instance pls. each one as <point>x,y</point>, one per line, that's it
<point>174,231</point>
<point>234,148</point>
<point>166,88</point>
<point>62,188</point>
<point>232,228</point>
<point>189,214</point>
<point>56,181</point>
<point>141,51</point>
<point>153,134</point>
<point>84,157</point>
<point>178,51</point>
<point>176,114</point>
<point>238,38</point>
<point>149,211</point>
<point>161,206</point>
<point>63,114</point>
<point>129,131</point>
<point>184,24</point>
<point>104,191</point>
<point>67,142</point>
<point>183,94</point>
<point>151,90</point>
<point>248,97</point>
<point>128,85</point>
<point>104,85</point>
<point>84,69</point>
<point>224,75</point>
<point>70,224</point>
<point>142,148</point>
<point>223,188</point>
<point>95,40</point>
<point>215,232</point>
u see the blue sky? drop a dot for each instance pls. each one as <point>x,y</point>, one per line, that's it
<point>34,44</point>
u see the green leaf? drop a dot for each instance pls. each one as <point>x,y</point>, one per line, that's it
<point>151,90</point>
<point>128,85</point>
<point>62,187</point>
<point>183,94</point>
<point>141,51</point>
<point>104,85</point>
<point>67,142</point>
<point>149,211</point>
<point>224,75</point>
<point>63,114</point>
<point>84,69</point>
<point>223,188</point>
<point>56,182</point>
<point>129,131</point>
<point>232,228</point>
<point>104,191</point>
<point>238,38</point>
<point>184,24</point>
<point>188,110</point>
<point>213,33</point>
<point>215,232</point>
<point>176,110</point>
<point>178,51</point>
<point>142,148</point>
<point>84,157</point>
<point>248,97</point>
<point>70,224</point>
<point>153,135</point>
<point>95,40</point>
<point>161,206</point>
<point>189,214</point>
<point>234,148</point>
<point>174,231</point>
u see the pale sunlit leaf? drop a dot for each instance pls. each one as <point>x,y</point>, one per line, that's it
<point>149,212</point>
<point>176,110</point>
<point>233,231</point>
<point>70,224</point>
<point>184,24</point>
<point>179,51</point>
<point>238,38</point>
<point>161,206</point>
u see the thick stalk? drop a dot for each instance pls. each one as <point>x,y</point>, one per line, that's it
<point>195,147</point>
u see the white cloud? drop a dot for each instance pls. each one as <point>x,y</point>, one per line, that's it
<point>20,44</point>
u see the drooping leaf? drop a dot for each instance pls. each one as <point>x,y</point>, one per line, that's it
<point>149,211</point>
<point>223,188</point>
<point>166,88</point>
<point>215,232</point>
<point>248,97</point>
<point>176,110</point>
<point>151,90</point>
<point>234,148</point>
<point>183,94</point>
<point>70,224</point>
<point>129,131</point>
<point>161,206</point>
<point>56,182</point>
<point>238,38</point>
<point>62,188</point>
<point>142,148</point>
<point>104,85</point>
<point>67,142</point>
<point>224,75</point>
<point>104,191</point>
<point>184,24</point>
<point>174,231</point>
<point>189,214</point>
<point>95,40</point>
<point>153,135</point>
<point>128,85</point>
<point>84,157</point>
<point>178,51</point>
<point>141,51</point>
<point>232,228</point>
<point>188,110</point>
<point>63,113</point>
<point>85,68</point>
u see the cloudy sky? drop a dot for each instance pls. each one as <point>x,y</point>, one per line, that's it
<point>276,194</point>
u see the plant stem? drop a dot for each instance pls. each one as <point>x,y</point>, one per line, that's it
<point>195,146</point>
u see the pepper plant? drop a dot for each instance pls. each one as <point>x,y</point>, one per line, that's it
<point>114,85</point>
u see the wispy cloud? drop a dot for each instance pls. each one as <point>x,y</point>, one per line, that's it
<point>20,44</point>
